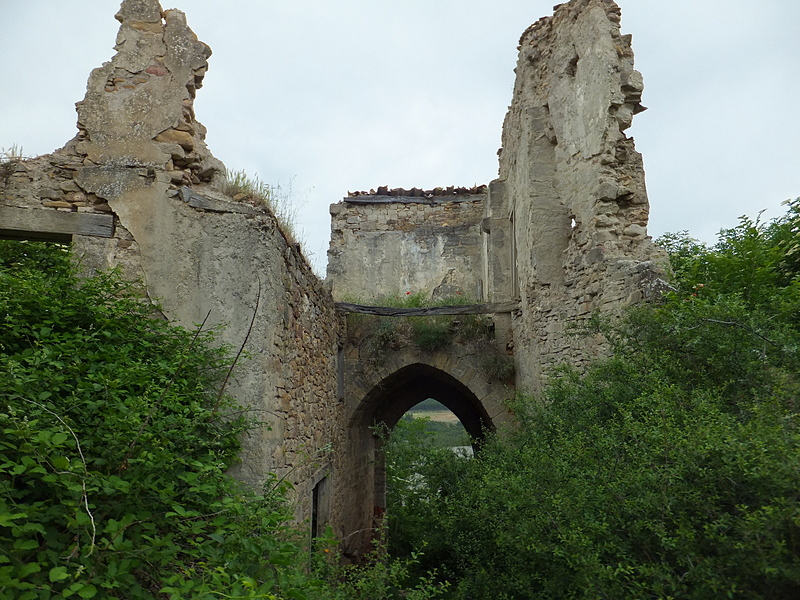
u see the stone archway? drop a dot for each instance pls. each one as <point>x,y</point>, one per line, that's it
<point>409,377</point>
<point>393,396</point>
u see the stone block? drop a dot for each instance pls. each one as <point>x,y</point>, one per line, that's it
<point>50,193</point>
<point>175,136</point>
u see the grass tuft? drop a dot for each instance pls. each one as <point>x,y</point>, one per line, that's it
<point>278,198</point>
<point>8,160</point>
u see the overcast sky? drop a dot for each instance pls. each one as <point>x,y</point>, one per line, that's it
<point>330,96</point>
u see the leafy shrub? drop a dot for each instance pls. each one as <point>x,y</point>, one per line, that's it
<point>756,262</point>
<point>379,578</point>
<point>418,475</point>
<point>629,481</point>
<point>113,449</point>
<point>497,364</point>
<point>114,446</point>
<point>431,333</point>
<point>668,471</point>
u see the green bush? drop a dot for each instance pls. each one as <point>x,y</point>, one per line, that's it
<point>114,446</point>
<point>418,473</point>
<point>668,471</point>
<point>114,443</point>
<point>626,482</point>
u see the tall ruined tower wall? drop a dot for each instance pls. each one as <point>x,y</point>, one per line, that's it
<point>571,186</point>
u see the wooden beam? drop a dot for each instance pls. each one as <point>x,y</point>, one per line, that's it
<point>464,309</point>
<point>35,223</point>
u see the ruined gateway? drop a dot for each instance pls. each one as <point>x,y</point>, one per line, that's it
<point>560,235</point>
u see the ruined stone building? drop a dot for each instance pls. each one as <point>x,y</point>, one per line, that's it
<point>559,235</point>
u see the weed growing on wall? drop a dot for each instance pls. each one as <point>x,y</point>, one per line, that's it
<point>12,153</point>
<point>278,198</point>
<point>8,159</point>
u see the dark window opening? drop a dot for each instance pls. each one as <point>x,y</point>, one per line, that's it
<point>320,508</point>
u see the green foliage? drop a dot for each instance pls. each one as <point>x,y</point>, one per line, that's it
<point>497,364</point>
<point>380,578</point>
<point>113,447</point>
<point>668,471</point>
<point>418,473</point>
<point>755,262</point>
<point>113,451</point>
<point>789,239</point>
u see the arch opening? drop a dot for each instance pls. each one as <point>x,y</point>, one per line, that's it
<point>440,424</point>
<point>390,399</point>
<point>385,404</point>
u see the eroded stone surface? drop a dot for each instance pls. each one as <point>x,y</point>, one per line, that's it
<point>574,184</point>
<point>563,229</point>
<point>386,246</point>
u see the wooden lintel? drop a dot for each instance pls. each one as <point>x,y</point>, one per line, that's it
<point>45,223</point>
<point>464,309</point>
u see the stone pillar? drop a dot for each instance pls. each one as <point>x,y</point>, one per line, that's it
<point>500,258</point>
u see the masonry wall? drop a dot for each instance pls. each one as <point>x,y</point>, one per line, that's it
<point>138,189</point>
<point>384,245</point>
<point>572,185</point>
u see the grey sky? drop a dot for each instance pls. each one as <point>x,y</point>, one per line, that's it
<point>349,95</point>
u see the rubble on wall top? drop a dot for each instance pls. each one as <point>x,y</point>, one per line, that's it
<point>420,193</point>
<point>570,8</point>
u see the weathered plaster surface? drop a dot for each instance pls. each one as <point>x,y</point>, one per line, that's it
<point>383,246</point>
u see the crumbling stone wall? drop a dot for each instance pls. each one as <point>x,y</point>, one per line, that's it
<point>562,231</point>
<point>390,243</point>
<point>139,164</point>
<point>572,186</point>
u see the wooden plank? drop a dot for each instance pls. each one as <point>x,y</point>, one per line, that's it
<point>46,222</point>
<point>464,309</point>
<point>35,236</point>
